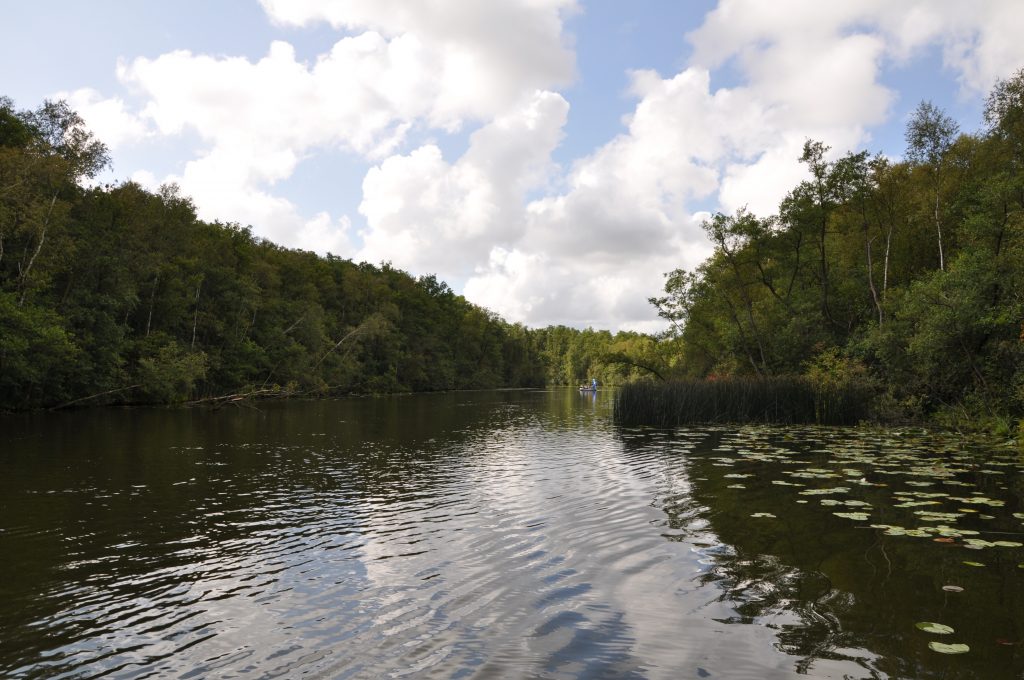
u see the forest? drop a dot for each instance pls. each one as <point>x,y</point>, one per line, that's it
<point>900,277</point>
<point>903,277</point>
<point>117,295</point>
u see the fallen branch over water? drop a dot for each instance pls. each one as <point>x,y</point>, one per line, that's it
<point>241,396</point>
<point>92,396</point>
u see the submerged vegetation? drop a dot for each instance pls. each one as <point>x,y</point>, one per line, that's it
<point>904,276</point>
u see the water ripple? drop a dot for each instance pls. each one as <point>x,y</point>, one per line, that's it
<point>506,537</point>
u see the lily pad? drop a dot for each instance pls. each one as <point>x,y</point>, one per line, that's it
<point>943,648</point>
<point>824,492</point>
<point>859,516</point>
<point>930,516</point>
<point>936,628</point>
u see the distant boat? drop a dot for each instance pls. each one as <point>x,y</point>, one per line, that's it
<point>587,388</point>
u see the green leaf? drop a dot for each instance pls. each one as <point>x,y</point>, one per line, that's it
<point>859,516</point>
<point>943,648</point>
<point>973,564</point>
<point>936,628</point>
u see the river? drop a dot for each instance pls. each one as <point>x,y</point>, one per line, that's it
<point>504,534</point>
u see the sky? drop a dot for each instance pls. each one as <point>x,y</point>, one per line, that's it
<point>550,159</point>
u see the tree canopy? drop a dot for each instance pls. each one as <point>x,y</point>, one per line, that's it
<point>912,270</point>
<point>116,294</point>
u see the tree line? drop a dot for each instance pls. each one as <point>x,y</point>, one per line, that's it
<point>116,294</point>
<point>905,275</point>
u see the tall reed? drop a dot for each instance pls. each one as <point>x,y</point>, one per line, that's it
<point>784,400</point>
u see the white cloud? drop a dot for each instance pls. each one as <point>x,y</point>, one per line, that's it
<point>404,66</point>
<point>357,96</point>
<point>146,179</point>
<point>481,56</point>
<point>221,186</point>
<point>759,186</point>
<point>439,64</point>
<point>540,289</point>
<point>425,214</point>
<point>108,119</point>
<point>980,41</point>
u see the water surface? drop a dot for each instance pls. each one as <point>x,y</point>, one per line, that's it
<point>498,535</point>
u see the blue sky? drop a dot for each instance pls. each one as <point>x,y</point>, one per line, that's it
<point>549,158</point>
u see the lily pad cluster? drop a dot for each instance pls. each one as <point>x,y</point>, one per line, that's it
<point>942,647</point>
<point>921,471</point>
<point>904,485</point>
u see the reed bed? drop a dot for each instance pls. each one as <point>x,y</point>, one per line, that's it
<point>783,400</point>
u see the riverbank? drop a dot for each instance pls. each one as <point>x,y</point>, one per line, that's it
<point>788,400</point>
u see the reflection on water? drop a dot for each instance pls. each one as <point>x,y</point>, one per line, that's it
<point>495,534</point>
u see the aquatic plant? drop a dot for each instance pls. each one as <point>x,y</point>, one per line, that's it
<point>784,400</point>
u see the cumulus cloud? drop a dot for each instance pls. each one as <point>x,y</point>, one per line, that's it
<point>541,289</point>
<point>222,187</point>
<point>401,66</point>
<point>483,55</point>
<point>438,64</point>
<point>979,41</point>
<point>108,118</point>
<point>426,214</point>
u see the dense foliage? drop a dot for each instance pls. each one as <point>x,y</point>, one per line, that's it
<point>114,294</point>
<point>907,276</point>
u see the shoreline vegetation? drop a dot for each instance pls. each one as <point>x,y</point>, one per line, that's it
<point>784,400</point>
<point>883,290</point>
<point>116,295</point>
<point>901,279</point>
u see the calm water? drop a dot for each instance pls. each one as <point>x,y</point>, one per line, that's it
<point>498,535</point>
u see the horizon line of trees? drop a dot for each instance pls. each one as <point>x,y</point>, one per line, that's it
<point>115,294</point>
